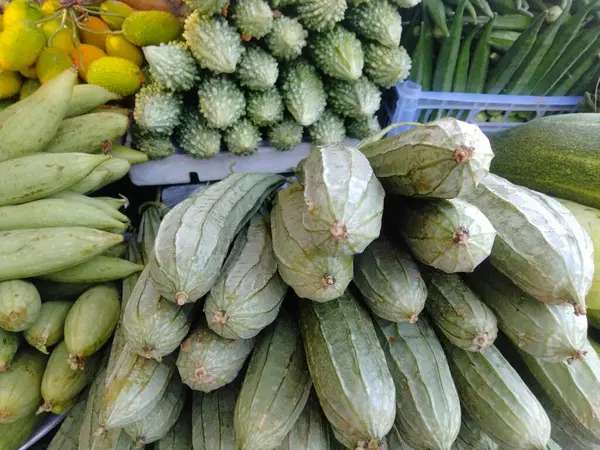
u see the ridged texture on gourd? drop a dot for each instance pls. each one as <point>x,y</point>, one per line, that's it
<point>156,110</point>
<point>573,389</point>
<point>152,215</point>
<point>172,65</point>
<point>144,28</point>
<point>212,428</point>
<point>209,220</point>
<point>343,199</point>
<point>339,54</point>
<point>9,344</point>
<point>549,332</point>
<point>386,66</point>
<point>67,436</point>
<point>258,70</point>
<point>362,127</point>
<point>264,108</point>
<point>319,15</point>
<point>354,98</point>
<point>275,389</point>
<point>247,296</point>
<point>179,436</point>
<point>460,151</point>
<point>285,135</point>
<point>349,371</point>
<point>459,313</point>
<point>208,361</point>
<point>376,20</point>
<point>20,305</point>
<point>157,423</point>
<point>329,129</point>
<point>153,327</point>
<point>221,101</point>
<point>450,235</point>
<point>303,93</point>
<point>307,269</point>
<point>427,404</point>
<point>155,145</point>
<point>311,431</point>
<point>496,397</point>
<point>215,44</point>
<point>196,137</point>
<point>395,440</point>
<point>389,281</point>
<point>286,39</point>
<point>472,437</point>
<point>242,138</point>
<point>16,434</point>
<point>253,18</point>
<point>206,7</point>
<point>21,395</point>
<point>540,245</point>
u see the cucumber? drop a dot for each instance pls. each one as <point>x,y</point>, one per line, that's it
<point>104,174</point>
<point>9,344</point>
<point>48,329</point>
<point>87,97</point>
<point>99,269</point>
<point>481,60</point>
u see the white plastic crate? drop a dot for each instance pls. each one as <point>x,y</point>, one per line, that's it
<point>409,103</point>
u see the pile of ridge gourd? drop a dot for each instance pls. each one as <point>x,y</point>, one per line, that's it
<point>254,69</point>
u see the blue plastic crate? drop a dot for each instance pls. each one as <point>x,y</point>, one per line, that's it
<point>409,103</point>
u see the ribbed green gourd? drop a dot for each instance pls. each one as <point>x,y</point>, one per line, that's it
<point>395,440</point>
<point>16,434</point>
<point>67,436</point>
<point>264,108</point>
<point>307,269</point>
<point>253,18</point>
<point>386,66</point>
<point>548,332</point>
<point>179,436</point>
<point>221,101</point>
<point>285,135</point>
<point>149,225</point>
<point>311,431</point>
<point>99,269</point>
<point>329,129</point>
<point>496,397</point>
<point>242,138</point>
<point>209,220</point>
<point>390,281</point>
<point>275,389</point>
<point>349,371</point>
<point>21,395</point>
<point>320,15</point>
<point>172,65</point>
<point>9,344</point>
<point>303,92</point>
<point>247,296</point>
<point>445,158</point>
<point>48,329</point>
<point>450,235</point>
<point>20,305</point>
<point>196,137</point>
<point>339,54</point>
<point>208,361</point>
<point>355,99</point>
<point>286,39</point>
<point>362,127</point>
<point>427,404</point>
<point>538,240</point>
<point>459,313</point>
<point>157,110</point>
<point>153,327</point>
<point>212,427</point>
<point>377,21</point>
<point>258,70</point>
<point>472,437</point>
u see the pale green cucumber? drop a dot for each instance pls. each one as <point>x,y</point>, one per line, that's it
<point>29,253</point>
<point>213,413</point>
<point>118,251</point>
<point>99,269</point>
<point>107,204</point>
<point>87,133</point>
<point>27,126</point>
<point>87,97</point>
<point>36,176</point>
<point>9,344</point>
<point>128,154</point>
<point>16,434</point>
<point>20,305</point>
<point>179,436</point>
<point>67,436</point>
<point>115,203</point>
<point>56,212</point>
<point>104,174</point>
<point>48,329</point>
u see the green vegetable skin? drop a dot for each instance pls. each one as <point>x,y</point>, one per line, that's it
<point>481,60</point>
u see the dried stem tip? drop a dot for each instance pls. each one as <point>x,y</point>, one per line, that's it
<point>463,154</point>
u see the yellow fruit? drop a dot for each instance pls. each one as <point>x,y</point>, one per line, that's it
<point>20,46</point>
<point>1,23</point>
<point>28,88</point>
<point>49,7</point>
<point>60,38</point>
<point>151,28</point>
<point>83,56</point>
<point>29,72</point>
<point>94,32</point>
<point>117,45</point>
<point>52,62</point>
<point>118,75</point>
<point>115,13</point>
<point>20,10</point>
<point>10,84</point>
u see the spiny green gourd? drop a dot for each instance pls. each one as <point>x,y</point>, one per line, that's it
<point>362,127</point>
<point>264,108</point>
<point>221,101</point>
<point>242,138</point>
<point>303,93</point>
<point>386,66</point>
<point>257,69</point>
<point>286,39</point>
<point>151,28</point>
<point>329,129</point>
<point>253,18</point>
<point>319,15</point>
<point>196,137</point>
<point>155,145</point>
<point>206,7</point>
<point>285,135</point>
<point>376,20</point>
<point>357,99</point>
<point>156,110</point>
<point>214,43</point>
<point>339,54</point>
<point>172,65</point>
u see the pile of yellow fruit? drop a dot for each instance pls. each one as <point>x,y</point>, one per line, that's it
<point>38,42</point>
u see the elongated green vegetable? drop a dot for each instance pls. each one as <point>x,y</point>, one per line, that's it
<point>512,22</point>
<point>484,7</point>
<point>446,62</point>
<point>416,71</point>
<point>481,61</point>
<point>435,10</point>
<point>583,65</point>
<point>513,58</point>
<point>589,80</point>
<point>462,64</point>
<point>502,40</point>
